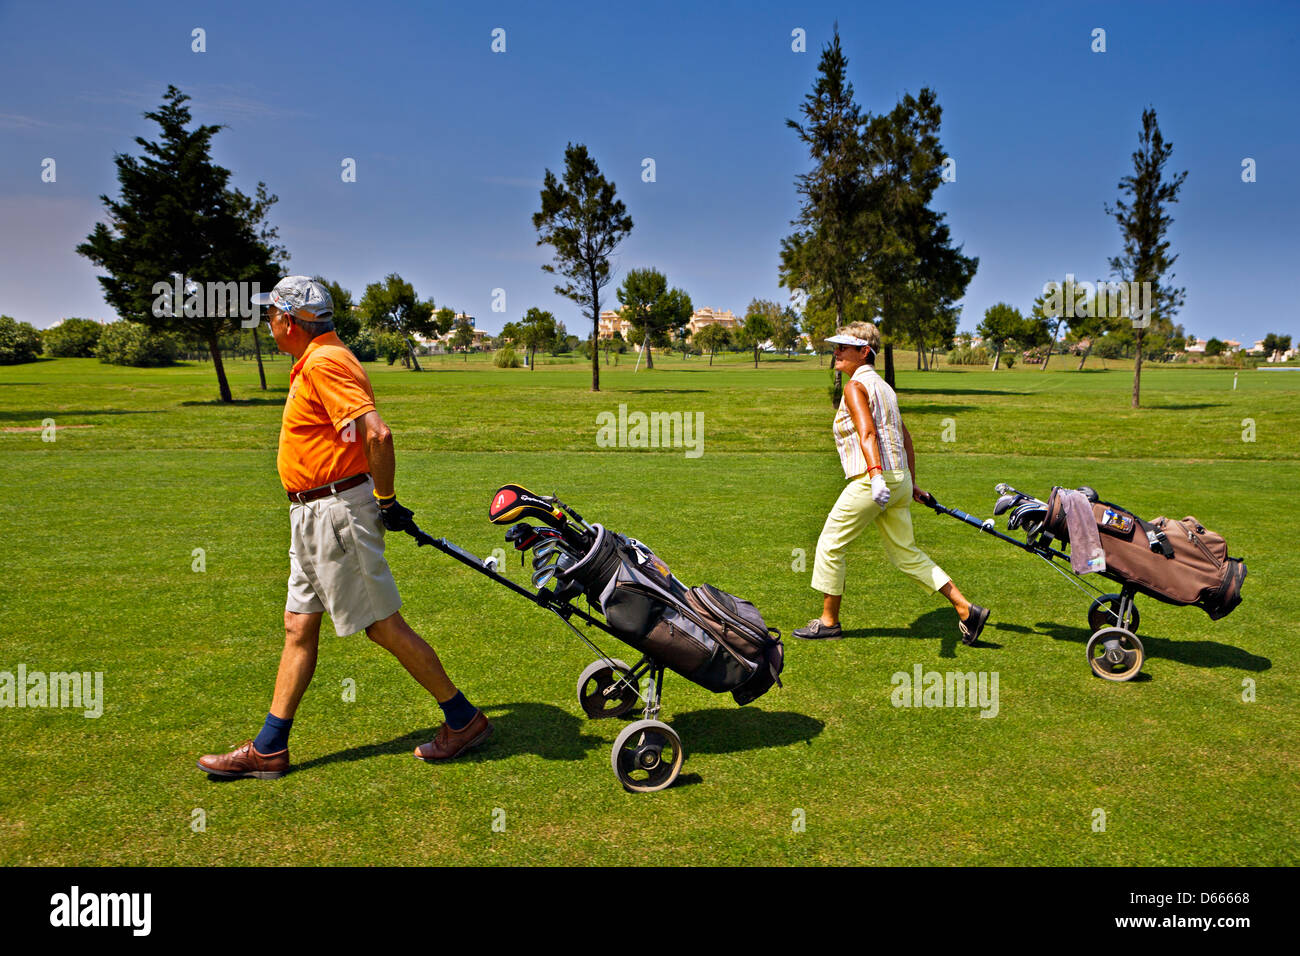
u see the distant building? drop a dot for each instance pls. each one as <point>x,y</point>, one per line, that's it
<point>611,322</point>
<point>702,317</point>
<point>1197,346</point>
<point>442,343</point>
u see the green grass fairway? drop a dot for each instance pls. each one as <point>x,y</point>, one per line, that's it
<point>96,575</point>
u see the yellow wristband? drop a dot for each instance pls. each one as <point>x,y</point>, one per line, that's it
<point>380,497</point>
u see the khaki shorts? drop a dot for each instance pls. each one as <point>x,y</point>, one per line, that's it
<point>336,560</point>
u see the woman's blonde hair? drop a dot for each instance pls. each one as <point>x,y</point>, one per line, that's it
<point>866,331</point>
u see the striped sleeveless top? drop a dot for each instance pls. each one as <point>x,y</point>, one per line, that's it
<point>889,427</point>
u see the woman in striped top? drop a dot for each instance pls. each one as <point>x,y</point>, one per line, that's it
<point>876,451</point>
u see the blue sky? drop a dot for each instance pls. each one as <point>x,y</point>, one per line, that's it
<point>451,139</point>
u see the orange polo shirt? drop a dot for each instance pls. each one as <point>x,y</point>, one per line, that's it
<point>328,388</point>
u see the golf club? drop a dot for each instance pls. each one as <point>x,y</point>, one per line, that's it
<point>550,546</point>
<point>544,561</point>
<point>513,502</point>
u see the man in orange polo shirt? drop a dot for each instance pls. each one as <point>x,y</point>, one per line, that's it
<point>336,463</point>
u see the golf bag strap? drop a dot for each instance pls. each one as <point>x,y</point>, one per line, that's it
<point>1156,540</point>
<point>1159,542</point>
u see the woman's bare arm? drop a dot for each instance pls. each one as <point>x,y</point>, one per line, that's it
<point>855,396</point>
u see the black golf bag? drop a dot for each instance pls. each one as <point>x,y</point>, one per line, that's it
<point>710,637</point>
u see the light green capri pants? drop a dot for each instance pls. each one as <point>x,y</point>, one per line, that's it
<point>853,512</point>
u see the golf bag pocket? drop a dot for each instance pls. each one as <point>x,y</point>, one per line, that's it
<point>733,620</point>
<point>1201,572</point>
<point>1117,522</point>
<point>630,608</point>
<point>710,637</point>
<point>681,644</point>
<point>648,563</point>
<point>738,625</point>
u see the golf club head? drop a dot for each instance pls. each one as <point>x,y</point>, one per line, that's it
<point>513,503</point>
<point>1002,488</point>
<point>542,576</point>
<point>1029,516</point>
<point>544,560</point>
<point>523,536</point>
<point>547,543</point>
<point>1004,504</point>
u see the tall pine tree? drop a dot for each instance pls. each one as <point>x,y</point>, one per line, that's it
<point>177,215</point>
<point>824,255</point>
<point>583,223</point>
<point>1143,223</point>
<point>916,271</point>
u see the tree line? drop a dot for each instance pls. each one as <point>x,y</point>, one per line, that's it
<point>177,215</point>
<point>866,244</point>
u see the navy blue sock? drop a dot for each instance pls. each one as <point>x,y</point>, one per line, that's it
<point>458,711</point>
<point>274,736</point>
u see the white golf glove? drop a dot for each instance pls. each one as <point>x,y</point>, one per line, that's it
<point>879,490</point>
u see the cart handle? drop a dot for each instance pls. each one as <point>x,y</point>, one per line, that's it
<point>421,537</point>
<point>985,525</point>
<point>543,598</point>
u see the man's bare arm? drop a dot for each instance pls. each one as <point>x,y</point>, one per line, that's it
<point>379,451</point>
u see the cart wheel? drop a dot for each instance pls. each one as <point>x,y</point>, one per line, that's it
<point>596,679</point>
<point>647,756</point>
<point>1115,654</point>
<point>1104,612</point>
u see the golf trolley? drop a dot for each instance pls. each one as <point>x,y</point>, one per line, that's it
<point>713,638</point>
<point>1176,562</point>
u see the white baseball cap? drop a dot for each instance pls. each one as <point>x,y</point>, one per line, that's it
<point>301,296</point>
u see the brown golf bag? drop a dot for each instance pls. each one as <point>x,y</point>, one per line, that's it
<point>1178,562</point>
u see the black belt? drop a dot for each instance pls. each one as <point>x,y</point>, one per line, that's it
<point>343,484</point>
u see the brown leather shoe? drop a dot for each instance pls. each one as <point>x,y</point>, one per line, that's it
<point>451,743</point>
<point>245,761</point>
